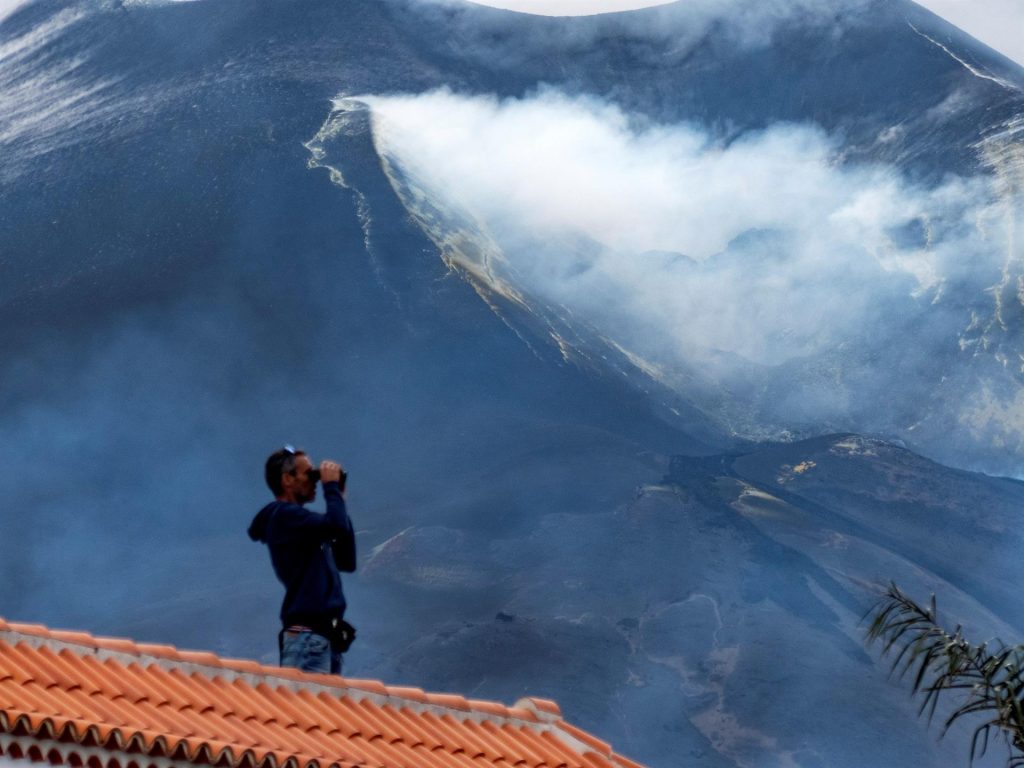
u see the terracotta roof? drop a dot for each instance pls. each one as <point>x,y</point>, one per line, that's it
<point>69,698</point>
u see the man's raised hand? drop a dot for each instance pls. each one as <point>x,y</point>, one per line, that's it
<point>330,472</point>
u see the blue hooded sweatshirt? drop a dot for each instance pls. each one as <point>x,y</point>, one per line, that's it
<point>307,550</point>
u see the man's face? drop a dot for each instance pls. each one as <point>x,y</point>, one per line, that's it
<point>303,485</point>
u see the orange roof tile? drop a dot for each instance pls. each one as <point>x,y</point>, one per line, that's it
<point>68,698</point>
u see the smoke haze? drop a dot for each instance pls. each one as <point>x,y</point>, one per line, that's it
<point>698,253</point>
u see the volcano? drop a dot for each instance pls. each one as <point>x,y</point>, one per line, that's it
<point>652,343</point>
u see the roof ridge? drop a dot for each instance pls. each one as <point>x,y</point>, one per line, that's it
<point>111,694</point>
<point>536,713</point>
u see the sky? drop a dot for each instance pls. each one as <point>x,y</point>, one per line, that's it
<point>997,23</point>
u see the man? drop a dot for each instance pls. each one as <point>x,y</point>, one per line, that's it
<point>307,550</point>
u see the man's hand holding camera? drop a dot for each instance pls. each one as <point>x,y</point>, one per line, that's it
<point>331,472</point>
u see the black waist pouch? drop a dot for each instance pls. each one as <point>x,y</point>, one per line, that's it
<point>341,636</point>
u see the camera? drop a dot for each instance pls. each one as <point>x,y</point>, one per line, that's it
<point>314,475</point>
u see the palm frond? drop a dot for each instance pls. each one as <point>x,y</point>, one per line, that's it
<point>989,682</point>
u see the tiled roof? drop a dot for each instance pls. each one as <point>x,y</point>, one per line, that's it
<point>72,699</point>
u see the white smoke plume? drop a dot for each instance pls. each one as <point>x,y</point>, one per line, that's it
<point>8,7</point>
<point>765,247</point>
<point>492,35</point>
<point>697,254</point>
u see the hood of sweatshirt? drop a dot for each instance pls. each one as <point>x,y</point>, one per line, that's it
<point>258,526</point>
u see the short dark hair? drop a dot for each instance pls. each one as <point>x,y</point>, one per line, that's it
<point>279,463</point>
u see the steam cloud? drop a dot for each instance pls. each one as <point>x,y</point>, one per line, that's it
<point>7,7</point>
<point>675,27</point>
<point>702,255</point>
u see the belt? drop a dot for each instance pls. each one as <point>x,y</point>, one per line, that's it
<point>322,630</point>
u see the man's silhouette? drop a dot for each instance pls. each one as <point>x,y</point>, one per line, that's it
<point>307,550</point>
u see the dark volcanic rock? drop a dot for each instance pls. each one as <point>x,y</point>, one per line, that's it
<point>723,609</point>
<point>202,257</point>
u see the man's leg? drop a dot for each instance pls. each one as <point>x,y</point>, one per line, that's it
<point>336,662</point>
<point>307,651</point>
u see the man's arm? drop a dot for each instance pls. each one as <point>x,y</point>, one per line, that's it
<point>343,543</point>
<point>293,521</point>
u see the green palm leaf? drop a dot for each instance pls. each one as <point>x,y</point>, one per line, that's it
<point>989,682</point>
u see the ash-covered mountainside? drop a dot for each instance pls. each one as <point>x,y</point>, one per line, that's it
<point>511,270</point>
<point>715,618</point>
<point>789,219</point>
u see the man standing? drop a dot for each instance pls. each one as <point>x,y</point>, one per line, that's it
<point>307,550</point>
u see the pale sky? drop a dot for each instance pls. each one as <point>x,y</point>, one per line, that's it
<point>997,23</point>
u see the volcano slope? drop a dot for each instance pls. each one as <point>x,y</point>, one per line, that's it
<point>206,251</point>
<point>720,608</point>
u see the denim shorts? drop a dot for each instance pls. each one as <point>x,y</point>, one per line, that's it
<point>309,652</point>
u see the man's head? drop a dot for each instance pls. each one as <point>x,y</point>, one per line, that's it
<point>287,476</point>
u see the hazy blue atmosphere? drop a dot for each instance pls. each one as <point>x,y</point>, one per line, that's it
<point>654,344</point>
<point>996,23</point>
